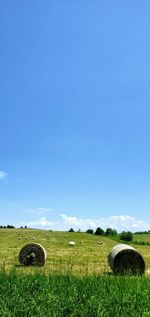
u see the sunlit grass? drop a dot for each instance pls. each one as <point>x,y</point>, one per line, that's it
<point>66,295</point>
<point>86,257</point>
<point>75,281</point>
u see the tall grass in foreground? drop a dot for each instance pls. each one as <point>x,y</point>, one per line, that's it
<point>57,295</point>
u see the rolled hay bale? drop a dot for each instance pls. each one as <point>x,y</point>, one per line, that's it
<point>125,259</point>
<point>32,254</point>
<point>71,243</point>
<point>100,242</point>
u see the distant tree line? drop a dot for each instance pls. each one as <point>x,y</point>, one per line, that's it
<point>11,227</point>
<point>7,227</point>
<point>109,232</point>
<point>100,232</point>
<point>142,232</point>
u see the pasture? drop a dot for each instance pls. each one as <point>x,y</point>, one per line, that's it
<point>86,257</point>
<point>75,281</point>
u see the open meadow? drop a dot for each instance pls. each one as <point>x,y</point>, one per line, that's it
<point>75,281</point>
<point>86,257</point>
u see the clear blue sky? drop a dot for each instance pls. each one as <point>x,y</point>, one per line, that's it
<point>74,113</point>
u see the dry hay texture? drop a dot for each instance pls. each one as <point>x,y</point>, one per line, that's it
<point>32,254</point>
<point>125,259</point>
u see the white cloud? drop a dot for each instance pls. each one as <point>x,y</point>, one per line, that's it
<point>3,175</point>
<point>45,209</point>
<point>37,211</point>
<point>65,222</point>
<point>120,223</point>
<point>41,223</point>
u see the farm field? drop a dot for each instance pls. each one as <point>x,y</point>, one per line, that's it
<point>86,257</point>
<point>75,281</point>
<point>142,237</point>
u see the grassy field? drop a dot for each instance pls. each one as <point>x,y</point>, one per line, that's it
<point>90,296</point>
<point>86,257</point>
<point>75,281</point>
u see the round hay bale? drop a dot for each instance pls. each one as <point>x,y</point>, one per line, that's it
<point>100,242</point>
<point>125,259</point>
<point>32,254</point>
<point>71,243</point>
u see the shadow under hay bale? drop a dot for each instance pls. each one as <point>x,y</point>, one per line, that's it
<point>124,259</point>
<point>32,254</point>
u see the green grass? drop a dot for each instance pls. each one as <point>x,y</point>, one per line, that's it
<point>75,281</point>
<point>59,295</point>
<point>85,258</point>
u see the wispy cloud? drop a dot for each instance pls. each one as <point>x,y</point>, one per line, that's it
<point>122,222</point>
<point>37,211</point>
<point>3,175</point>
<point>45,209</point>
<point>40,223</point>
<point>65,222</point>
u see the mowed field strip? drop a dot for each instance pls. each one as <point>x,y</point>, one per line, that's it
<point>85,258</point>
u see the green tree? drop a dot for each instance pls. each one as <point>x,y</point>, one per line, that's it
<point>126,236</point>
<point>110,232</point>
<point>99,231</point>
<point>71,230</point>
<point>91,231</point>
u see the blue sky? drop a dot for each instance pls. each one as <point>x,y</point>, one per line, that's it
<point>74,114</point>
